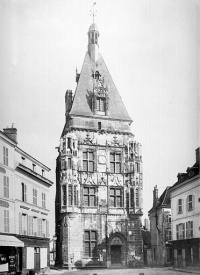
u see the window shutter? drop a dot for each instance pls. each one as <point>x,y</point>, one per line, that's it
<point>38,227</point>
<point>183,230</point>
<point>186,229</point>
<point>47,228</point>
<point>20,223</point>
<point>8,187</point>
<point>191,228</point>
<point>177,235</point>
<point>187,200</point>
<point>4,179</point>
<point>29,225</point>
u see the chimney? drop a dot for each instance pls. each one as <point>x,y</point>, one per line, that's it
<point>68,102</point>
<point>11,133</point>
<point>197,154</point>
<point>155,195</point>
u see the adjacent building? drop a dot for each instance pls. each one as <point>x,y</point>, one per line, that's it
<point>160,228</point>
<point>185,203</point>
<point>24,228</point>
<point>99,173</point>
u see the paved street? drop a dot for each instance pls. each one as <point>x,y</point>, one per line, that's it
<point>145,271</point>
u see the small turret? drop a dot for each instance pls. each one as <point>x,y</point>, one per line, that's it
<point>93,46</point>
<point>155,195</point>
<point>68,102</point>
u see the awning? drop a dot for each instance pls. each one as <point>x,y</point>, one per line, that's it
<point>6,240</point>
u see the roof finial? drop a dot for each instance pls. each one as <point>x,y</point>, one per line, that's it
<point>93,11</point>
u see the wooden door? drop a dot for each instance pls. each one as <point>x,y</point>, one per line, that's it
<point>37,260</point>
<point>115,254</point>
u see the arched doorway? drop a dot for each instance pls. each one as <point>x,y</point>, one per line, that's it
<point>116,248</point>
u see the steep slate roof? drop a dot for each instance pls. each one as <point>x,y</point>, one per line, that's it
<point>164,200</point>
<point>191,172</point>
<point>83,95</point>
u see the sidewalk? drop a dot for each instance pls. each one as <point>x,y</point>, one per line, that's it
<point>192,270</point>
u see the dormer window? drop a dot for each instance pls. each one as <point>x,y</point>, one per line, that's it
<point>101,104</point>
<point>23,161</point>
<point>34,167</point>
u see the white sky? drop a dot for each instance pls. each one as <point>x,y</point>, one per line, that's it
<point>151,48</point>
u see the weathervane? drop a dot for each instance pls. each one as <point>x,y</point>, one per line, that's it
<point>93,11</point>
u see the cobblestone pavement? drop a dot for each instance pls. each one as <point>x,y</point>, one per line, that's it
<point>143,271</point>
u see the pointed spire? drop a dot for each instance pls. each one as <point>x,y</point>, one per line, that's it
<point>93,12</point>
<point>93,35</point>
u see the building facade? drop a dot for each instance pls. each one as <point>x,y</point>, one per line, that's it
<point>99,173</point>
<point>24,235</point>
<point>160,228</point>
<point>185,202</point>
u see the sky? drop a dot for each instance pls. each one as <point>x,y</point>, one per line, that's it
<point>151,49</point>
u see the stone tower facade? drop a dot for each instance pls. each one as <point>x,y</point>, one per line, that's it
<point>99,173</point>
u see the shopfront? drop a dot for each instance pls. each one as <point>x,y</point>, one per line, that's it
<point>10,255</point>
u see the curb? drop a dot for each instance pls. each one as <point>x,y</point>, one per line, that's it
<point>185,270</point>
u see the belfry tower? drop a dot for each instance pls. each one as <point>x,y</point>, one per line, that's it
<point>99,172</point>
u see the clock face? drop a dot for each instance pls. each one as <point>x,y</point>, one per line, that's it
<point>102,159</point>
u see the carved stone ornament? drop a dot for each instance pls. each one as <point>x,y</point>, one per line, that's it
<point>88,139</point>
<point>116,241</point>
<point>99,88</point>
<point>102,180</point>
<point>89,179</point>
<point>115,141</point>
<point>115,180</point>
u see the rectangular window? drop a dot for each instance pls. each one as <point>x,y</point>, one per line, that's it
<point>168,235</point>
<point>180,231</point>
<point>132,197</point>
<point>90,243</point>
<point>189,229</point>
<point>43,200</point>
<point>63,164</point>
<point>75,195</point>
<point>89,196</point>
<point>88,161</point>
<point>24,224</point>
<point>180,206</point>
<point>168,218</point>
<point>69,163</point>
<point>6,187</point>
<point>64,195</point>
<point>44,228</point>
<point>39,231</point>
<point>190,202</point>
<point>116,197</point>
<point>99,125</point>
<point>30,225</point>
<point>35,226</point>
<point>24,192</point>
<point>137,167</point>
<point>70,197</point>
<point>137,199</point>
<point>34,167</point>
<point>115,162</point>
<point>34,196</point>
<point>6,221</point>
<point>5,156</point>
<point>101,104</point>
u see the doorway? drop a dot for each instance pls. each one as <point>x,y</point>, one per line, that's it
<point>37,259</point>
<point>115,254</point>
